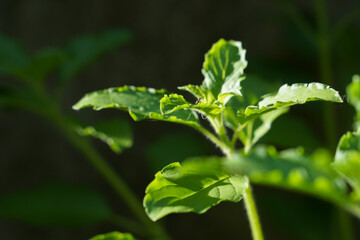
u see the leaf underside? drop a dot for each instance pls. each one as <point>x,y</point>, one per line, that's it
<point>291,169</point>
<point>194,186</point>
<point>298,93</point>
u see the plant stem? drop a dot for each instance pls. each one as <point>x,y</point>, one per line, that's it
<point>252,214</point>
<point>248,143</point>
<point>118,184</point>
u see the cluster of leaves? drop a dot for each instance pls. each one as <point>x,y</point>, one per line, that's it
<point>235,113</point>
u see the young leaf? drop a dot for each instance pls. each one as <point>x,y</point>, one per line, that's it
<point>291,169</point>
<point>86,49</point>
<point>298,93</point>
<point>114,236</point>
<point>140,102</point>
<point>55,205</point>
<point>195,186</point>
<point>223,68</point>
<point>114,132</point>
<point>253,88</point>
<point>347,160</point>
<point>174,102</point>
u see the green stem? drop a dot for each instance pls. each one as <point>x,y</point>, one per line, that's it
<point>252,214</point>
<point>118,184</point>
<point>248,143</point>
<point>237,133</point>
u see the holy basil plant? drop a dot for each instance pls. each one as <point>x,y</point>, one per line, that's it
<point>235,114</point>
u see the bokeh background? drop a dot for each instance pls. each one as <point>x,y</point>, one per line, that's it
<point>167,49</point>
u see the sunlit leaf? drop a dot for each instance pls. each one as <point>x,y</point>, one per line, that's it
<point>195,90</point>
<point>194,186</point>
<point>113,236</point>
<point>116,133</point>
<point>252,89</point>
<point>174,102</point>
<point>347,160</point>
<point>86,49</point>
<point>223,68</point>
<point>141,103</point>
<point>55,205</point>
<point>291,169</point>
<point>298,93</point>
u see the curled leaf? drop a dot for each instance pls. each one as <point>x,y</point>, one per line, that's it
<point>298,93</point>
<point>194,186</point>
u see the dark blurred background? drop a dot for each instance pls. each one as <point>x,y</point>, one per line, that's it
<point>170,39</point>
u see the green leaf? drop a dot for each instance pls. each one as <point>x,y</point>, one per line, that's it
<point>298,93</point>
<point>174,102</point>
<point>223,68</point>
<point>347,160</point>
<point>140,102</point>
<point>12,56</point>
<point>116,133</point>
<point>291,169</point>
<point>84,50</point>
<point>252,88</point>
<point>353,94</point>
<point>41,65</point>
<point>195,90</point>
<point>55,205</point>
<point>195,186</point>
<point>113,236</point>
